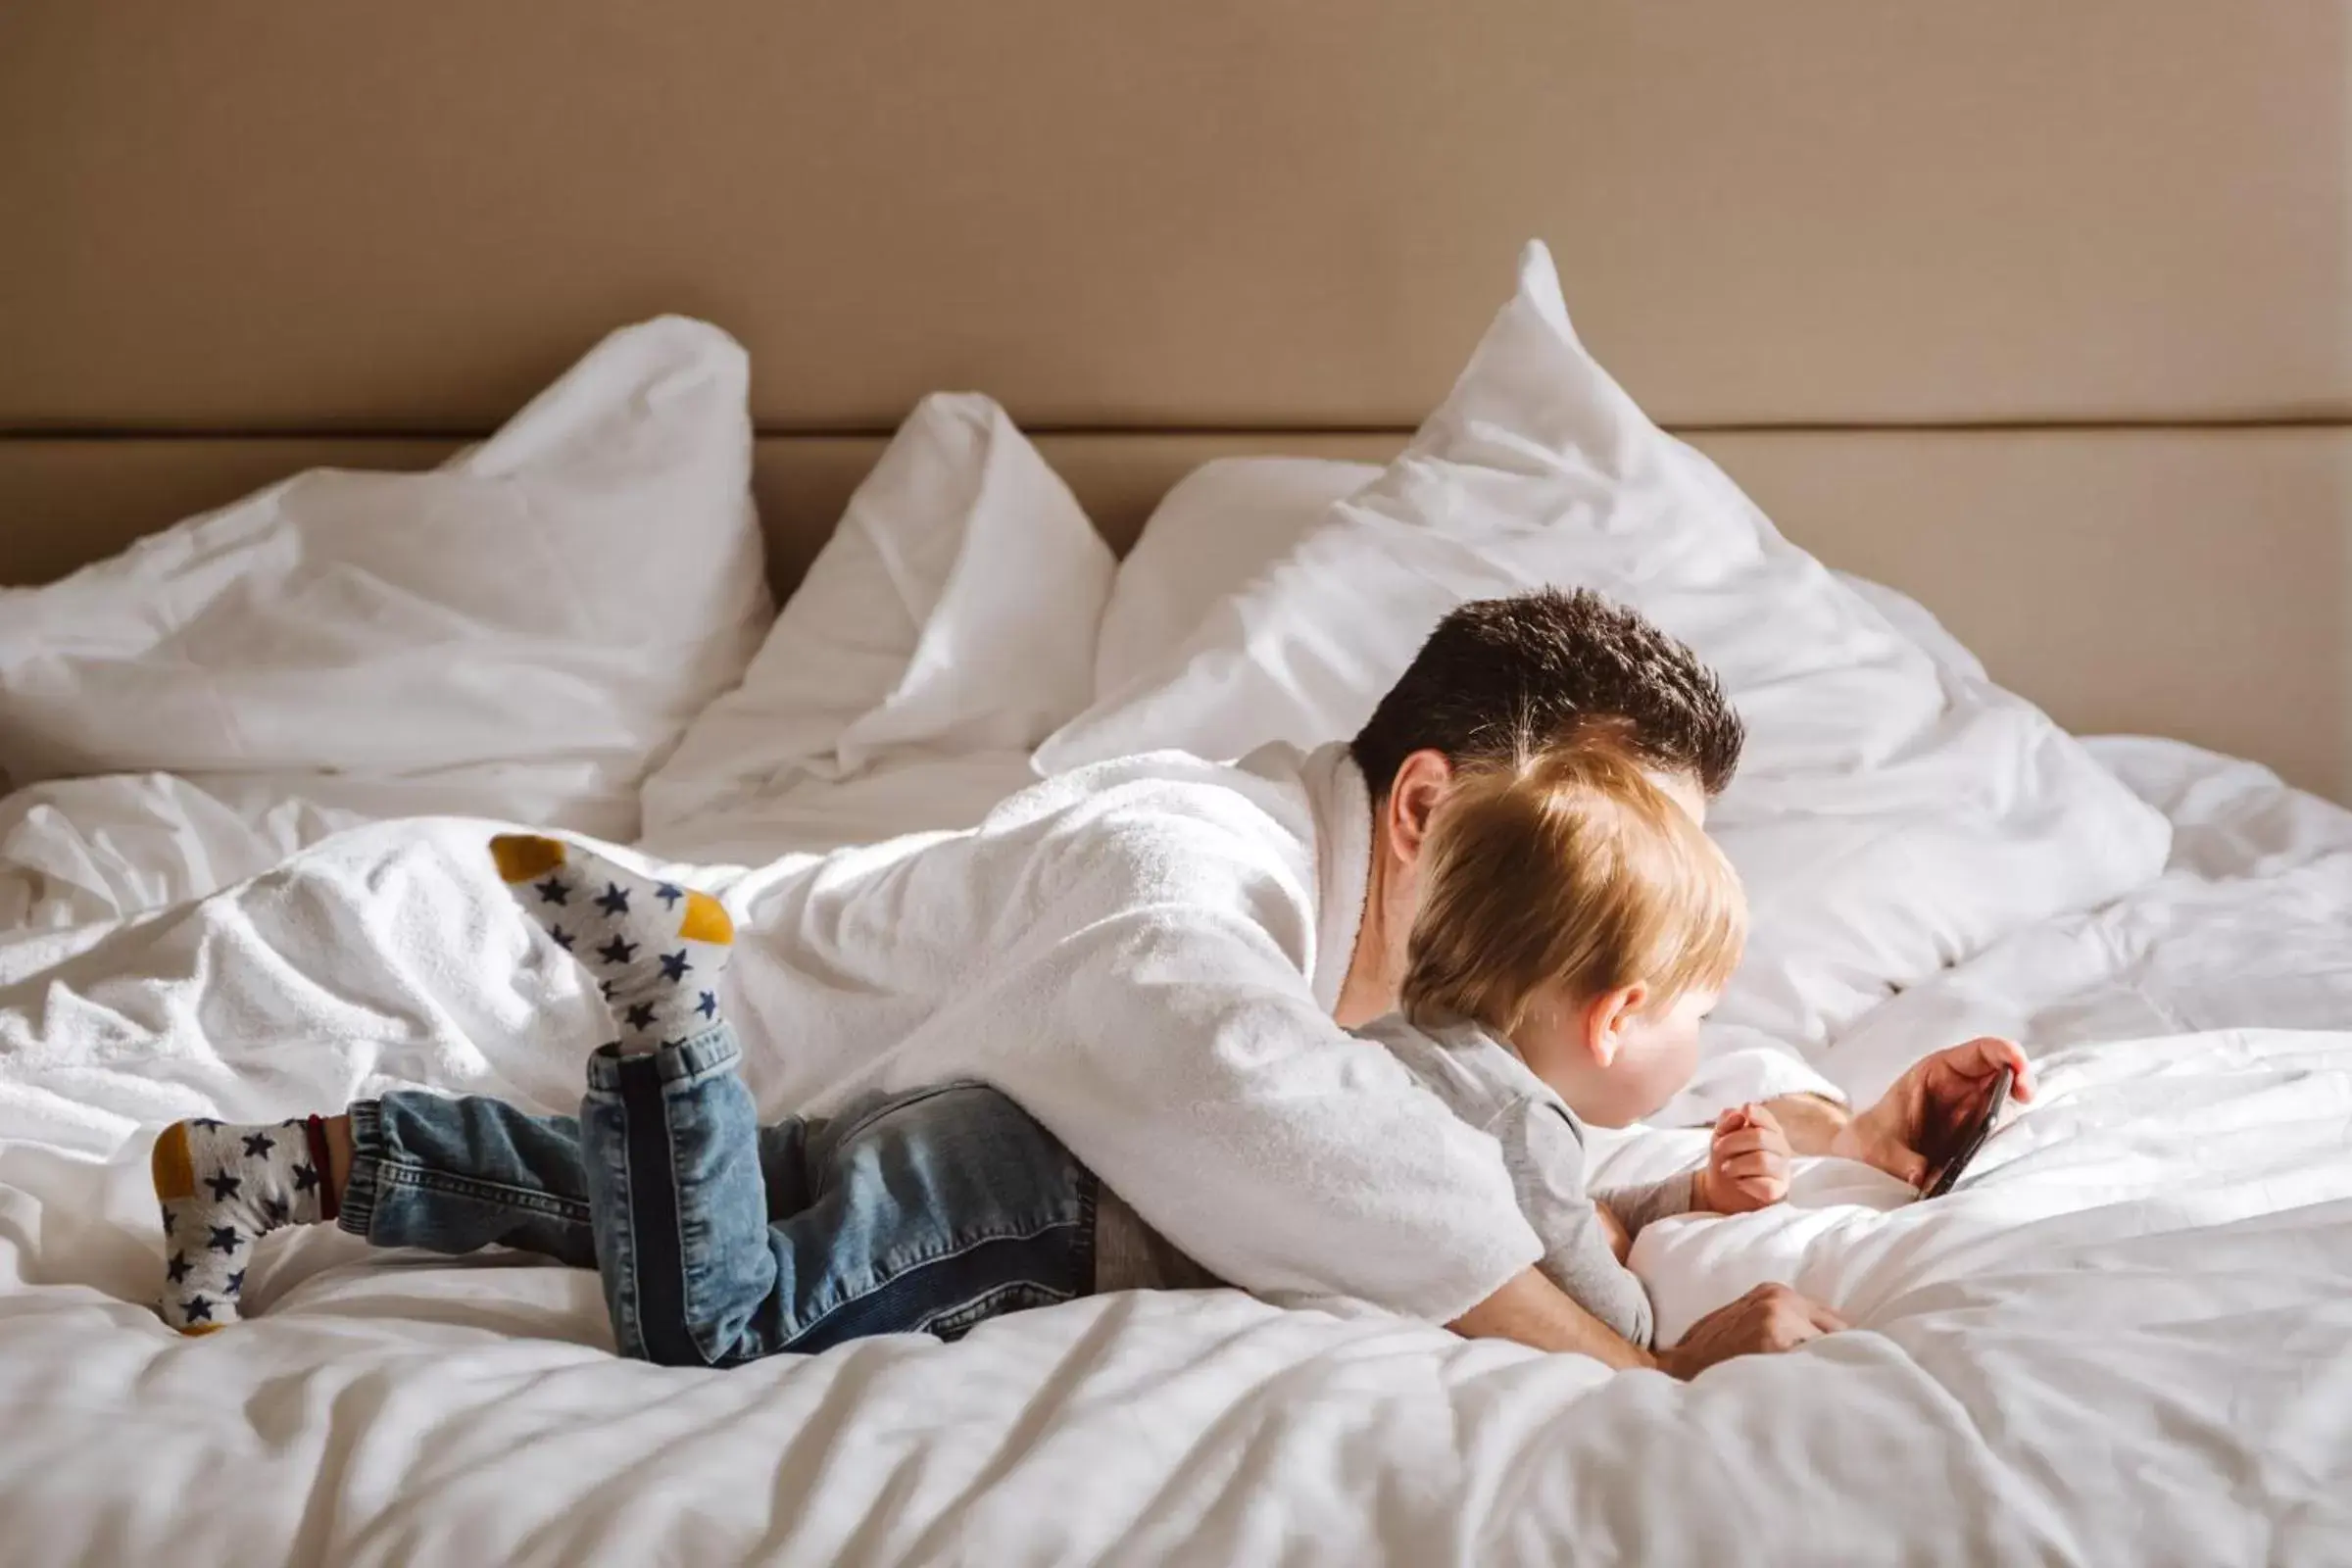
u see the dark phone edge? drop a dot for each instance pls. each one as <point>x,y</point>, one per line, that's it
<point>1948,1175</point>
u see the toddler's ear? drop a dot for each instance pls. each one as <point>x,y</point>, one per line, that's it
<point>1606,1018</point>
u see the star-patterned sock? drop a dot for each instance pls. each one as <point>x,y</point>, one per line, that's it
<point>655,949</point>
<point>222,1187</point>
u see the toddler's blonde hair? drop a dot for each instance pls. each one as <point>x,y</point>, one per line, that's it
<point>1566,862</point>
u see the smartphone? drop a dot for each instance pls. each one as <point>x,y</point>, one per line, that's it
<point>1948,1173</point>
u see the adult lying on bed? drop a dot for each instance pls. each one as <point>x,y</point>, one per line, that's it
<point>1575,925</point>
<point>1157,958</point>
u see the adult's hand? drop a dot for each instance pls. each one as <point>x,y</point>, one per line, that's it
<point>1931,1108</point>
<point>1538,1314</point>
<point>1767,1320</point>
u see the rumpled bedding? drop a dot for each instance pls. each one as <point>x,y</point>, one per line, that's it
<point>2124,1340</point>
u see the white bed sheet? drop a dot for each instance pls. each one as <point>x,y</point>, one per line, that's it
<point>77,852</point>
<point>911,793</point>
<point>2128,1339</point>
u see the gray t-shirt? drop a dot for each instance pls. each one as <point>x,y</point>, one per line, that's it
<point>1484,1082</point>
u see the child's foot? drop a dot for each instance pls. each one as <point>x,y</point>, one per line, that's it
<point>657,949</point>
<point>222,1187</point>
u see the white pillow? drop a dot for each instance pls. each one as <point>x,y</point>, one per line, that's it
<point>952,612</point>
<point>1233,517</point>
<point>1892,814</point>
<point>553,605</point>
<point>1216,528</point>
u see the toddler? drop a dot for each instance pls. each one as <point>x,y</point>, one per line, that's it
<point>1575,925</point>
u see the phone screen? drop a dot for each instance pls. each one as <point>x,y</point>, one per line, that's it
<point>1956,1161</point>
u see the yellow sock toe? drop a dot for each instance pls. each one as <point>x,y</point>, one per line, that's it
<point>524,856</point>
<point>705,921</point>
<point>173,1171</point>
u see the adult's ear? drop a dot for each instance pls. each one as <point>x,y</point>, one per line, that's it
<point>1605,1018</point>
<point>1421,782</point>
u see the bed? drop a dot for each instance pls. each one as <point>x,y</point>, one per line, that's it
<point>2047,647</point>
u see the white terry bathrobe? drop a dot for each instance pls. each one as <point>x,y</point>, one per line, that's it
<point>1146,953</point>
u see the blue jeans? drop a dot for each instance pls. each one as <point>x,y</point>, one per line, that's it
<point>720,1241</point>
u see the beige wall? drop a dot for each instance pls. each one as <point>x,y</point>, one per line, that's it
<point>2108,242</point>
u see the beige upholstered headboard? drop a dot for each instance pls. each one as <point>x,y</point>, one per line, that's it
<point>2041,313</point>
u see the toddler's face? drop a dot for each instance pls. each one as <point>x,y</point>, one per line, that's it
<point>1652,1053</point>
<point>1656,1056</point>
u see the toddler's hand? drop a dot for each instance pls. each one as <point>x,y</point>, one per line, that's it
<point>1748,1165</point>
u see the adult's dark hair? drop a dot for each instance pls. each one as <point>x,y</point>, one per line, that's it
<point>1499,676</point>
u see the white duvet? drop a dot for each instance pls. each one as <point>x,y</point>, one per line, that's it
<point>2128,1339</point>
